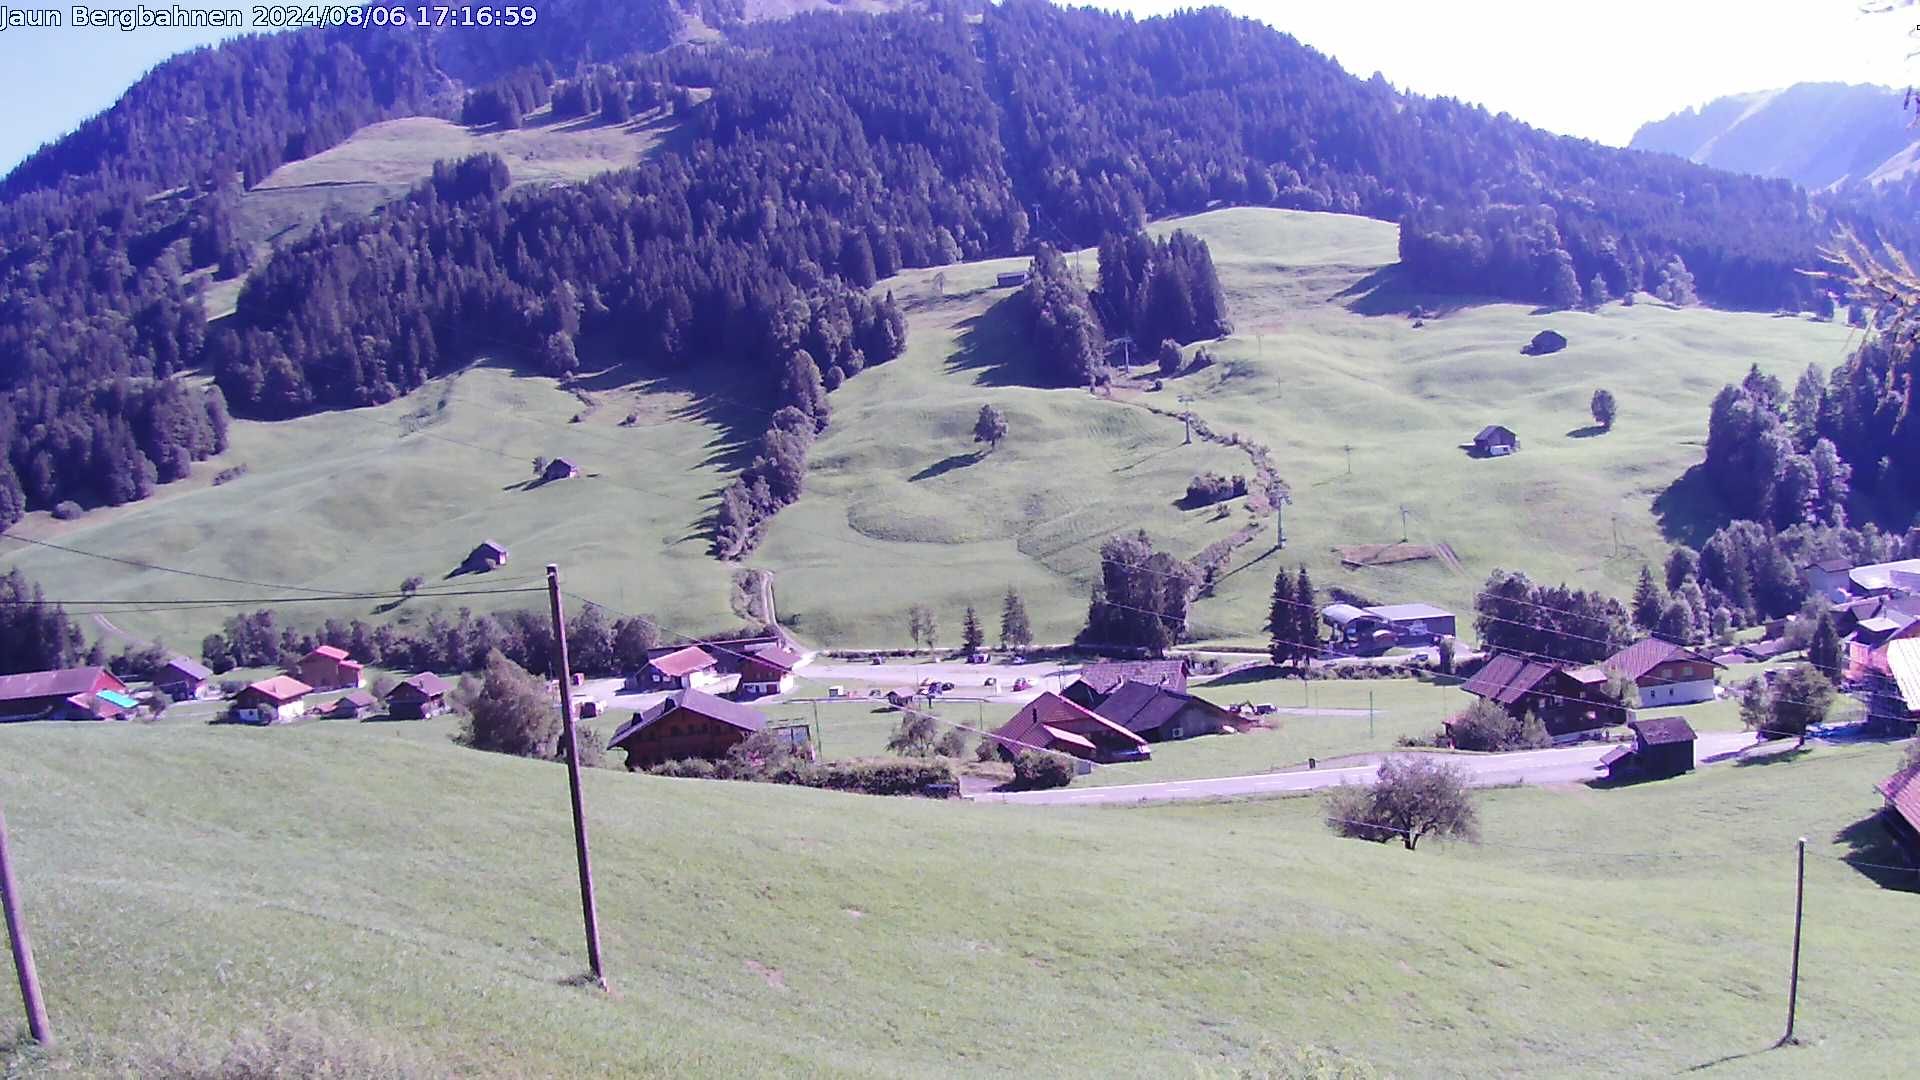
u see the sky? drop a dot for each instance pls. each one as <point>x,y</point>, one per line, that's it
<point>1594,70</point>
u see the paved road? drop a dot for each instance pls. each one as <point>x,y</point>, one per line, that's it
<point>1570,764</point>
<point>969,680</point>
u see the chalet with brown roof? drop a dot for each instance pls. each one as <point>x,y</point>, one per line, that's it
<point>689,668</point>
<point>1158,714</point>
<point>1096,681</point>
<point>419,697</point>
<point>687,724</point>
<point>1662,747</point>
<point>559,469</point>
<point>1051,722</point>
<point>1495,440</point>
<point>1567,700</point>
<point>184,680</point>
<point>329,668</point>
<point>487,555</point>
<point>83,693</point>
<point>1666,673</point>
<point>272,701</point>
<point>353,705</point>
<point>768,669</point>
<point>1901,814</point>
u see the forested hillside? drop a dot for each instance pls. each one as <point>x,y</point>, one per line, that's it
<point>818,154</point>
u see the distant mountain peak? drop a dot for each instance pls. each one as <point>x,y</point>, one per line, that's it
<point>1819,135</point>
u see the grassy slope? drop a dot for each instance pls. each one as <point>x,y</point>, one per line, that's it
<point>899,510</point>
<point>419,893</point>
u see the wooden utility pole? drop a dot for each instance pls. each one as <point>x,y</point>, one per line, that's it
<point>1403,524</point>
<point>588,910</point>
<point>1349,449</point>
<point>1799,913</point>
<point>22,949</point>
<point>1279,523</point>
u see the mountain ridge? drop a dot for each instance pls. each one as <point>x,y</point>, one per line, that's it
<point>1818,135</point>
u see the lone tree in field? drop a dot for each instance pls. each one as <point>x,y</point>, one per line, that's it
<point>972,638</point>
<point>1800,699</point>
<point>508,711</point>
<point>412,584</point>
<point>1015,631</point>
<point>1604,409</point>
<point>1414,796</point>
<point>990,427</point>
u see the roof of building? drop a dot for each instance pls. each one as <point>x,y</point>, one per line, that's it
<point>491,545</point>
<point>1506,678</point>
<point>1643,656</point>
<point>358,699</point>
<point>1830,566</point>
<point>731,713</point>
<point>280,688</point>
<point>326,651</point>
<point>1762,650</point>
<point>1409,612</point>
<point>1903,662</point>
<point>426,684</point>
<point>775,656</point>
<point>683,661</point>
<point>1618,753</point>
<point>562,463</point>
<point>1105,677</point>
<point>1902,790</point>
<point>1882,575</point>
<point>1342,614</point>
<point>1138,706</point>
<point>115,697</point>
<point>1063,735</point>
<point>1492,431</point>
<point>190,668</point>
<point>1882,624</point>
<point>1048,712</point>
<point>1588,675</point>
<point>1662,730</point>
<point>38,684</point>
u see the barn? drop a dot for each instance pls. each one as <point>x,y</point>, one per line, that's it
<point>1544,342</point>
<point>1495,440</point>
<point>1662,748</point>
<point>559,469</point>
<point>1011,279</point>
<point>1415,624</point>
<point>487,555</point>
<point>84,693</point>
<point>687,724</point>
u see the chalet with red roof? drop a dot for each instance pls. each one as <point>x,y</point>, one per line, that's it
<point>768,669</point>
<point>272,701</point>
<point>690,668</point>
<point>1567,700</point>
<point>1666,673</point>
<point>1051,722</point>
<point>329,668</point>
<point>83,693</point>
<point>419,697</point>
<point>687,724</point>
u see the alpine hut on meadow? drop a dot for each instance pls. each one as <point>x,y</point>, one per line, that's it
<point>1496,440</point>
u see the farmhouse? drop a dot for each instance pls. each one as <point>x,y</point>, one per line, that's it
<point>767,669</point>
<point>84,693</point>
<point>1901,815</point>
<point>489,555</point>
<point>419,697</point>
<point>184,680</point>
<point>1667,674</point>
<point>687,724</point>
<point>1096,681</point>
<point>1051,722</point>
<point>271,701</point>
<point>690,668</point>
<point>1158,714</point>
<point>1415,624</point>
<point>1567,700</point>
<point>559,469</point>
<point>329,668</point>
<point>352,706</point>
<point>1662,747</point>
<point>1495,441</point>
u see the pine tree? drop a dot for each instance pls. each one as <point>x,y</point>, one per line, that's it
<point>1649,601</point>
<point>1306,621</point>
<point>972,638</point>
<point>1824,650</point>
<point>1015,632</point>
<point>1280,620</point>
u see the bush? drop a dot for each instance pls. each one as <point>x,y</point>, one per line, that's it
<point>1486,726</point>
<point>1034,770</point>
<point>68,510</point>
<point>593,747</point>
<point>899,777</point>
<point>686,769</point>
<point>1209,488</point>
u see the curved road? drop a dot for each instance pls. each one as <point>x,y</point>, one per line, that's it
<point>1561,765</point>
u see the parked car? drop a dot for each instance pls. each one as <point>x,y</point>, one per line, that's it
<point>945,686</point>
<point>836,691</point>
<point>1263,709</point>
<point>1022,684</point>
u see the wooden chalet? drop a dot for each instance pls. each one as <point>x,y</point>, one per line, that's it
<point>1662,747</point>
<point>1496,440</point>
<point>768,669</point>
<point>1666,673</point>
<point>687,724</point>
<point>1052,722</point>
<point>487,555</point>
<point>419,697</point>
<point>272,701</point>
<point>184,680</point>
<point>689,668</point>
<point>82,693</point>
<point>1567,700</point>
<point>329,668</point>
<point>1096,681</point>
<point>353,705</point>
<point>559,469</point>
<point>1158,714</point>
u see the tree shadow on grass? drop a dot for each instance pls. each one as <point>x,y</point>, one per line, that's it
<point>1258,673</point>
<point>995,349</point>
<point>1689,510</point>
<point>946,465</point>
<point>1871,852</point>
<point>1387,291</point>
<point>1587,432</point>
<point>1748,759</point>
